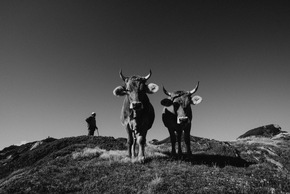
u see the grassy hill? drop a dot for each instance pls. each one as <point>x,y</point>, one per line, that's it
<point>100,165</point>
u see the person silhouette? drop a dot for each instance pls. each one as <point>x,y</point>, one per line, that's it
<point>91,121</point>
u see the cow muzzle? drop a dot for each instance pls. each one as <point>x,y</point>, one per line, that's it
<point>136,105</point>
<point>181,120</point>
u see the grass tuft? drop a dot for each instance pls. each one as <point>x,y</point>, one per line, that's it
<point>154,184</point>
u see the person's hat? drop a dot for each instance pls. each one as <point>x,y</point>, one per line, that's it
<point>93,113</point>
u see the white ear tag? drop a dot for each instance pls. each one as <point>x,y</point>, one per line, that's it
<point>196,100</point>
<point>152,88</point>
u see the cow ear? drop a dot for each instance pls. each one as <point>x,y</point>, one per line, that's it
<point>152,88</point>
<point>119,91</point>
<point>166,102</point>
<point>196,100</point>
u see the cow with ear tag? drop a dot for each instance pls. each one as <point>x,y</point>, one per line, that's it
<point>177,116</point>
<point>137,114</point>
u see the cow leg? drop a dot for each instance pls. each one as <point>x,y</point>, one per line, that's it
<point>187,139</point>
<point>134,148</point>
<point>130,141</point>
<point>173,141</point>
<point>141,140</point>
<point>179,133</point>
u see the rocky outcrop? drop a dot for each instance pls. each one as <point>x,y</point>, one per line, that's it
<point>263,131</point>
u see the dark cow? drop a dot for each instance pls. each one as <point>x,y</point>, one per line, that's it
<point>177,116</point>
<point>137,113</point>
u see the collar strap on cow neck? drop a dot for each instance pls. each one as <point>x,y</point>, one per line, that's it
<point>133,114</point>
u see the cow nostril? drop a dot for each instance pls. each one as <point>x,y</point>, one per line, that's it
<point>136,105</point>
<point>182,120</point>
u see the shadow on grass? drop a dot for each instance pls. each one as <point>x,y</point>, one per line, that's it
<point>217,160</point>
<point>211,160</point>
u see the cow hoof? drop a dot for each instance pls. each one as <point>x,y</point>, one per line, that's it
<point>181,156</point>
<point>173,156</point>
<point>141,159</point>
<point>134,159</point>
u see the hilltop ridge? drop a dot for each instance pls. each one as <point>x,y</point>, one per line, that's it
<point>82,164</point>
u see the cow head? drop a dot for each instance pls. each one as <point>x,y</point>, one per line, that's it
<point>180,102</point>
<point>136,89</point>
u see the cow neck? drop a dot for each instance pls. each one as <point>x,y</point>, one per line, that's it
<point>145,99</point>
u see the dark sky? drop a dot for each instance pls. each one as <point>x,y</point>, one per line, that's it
<point>60,61</point>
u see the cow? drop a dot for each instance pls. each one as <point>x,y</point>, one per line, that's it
<point>177,116</point>
<point>137,114</point>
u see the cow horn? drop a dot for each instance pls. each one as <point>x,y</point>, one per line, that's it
<point>195,89</point>
<point>148,76</point>
<point>122,76</point>
<point>165,92</point>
